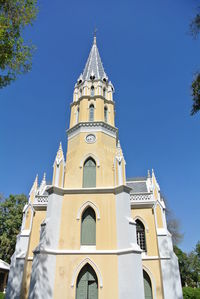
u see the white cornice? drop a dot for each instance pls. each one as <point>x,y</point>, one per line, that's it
<point>96,126</point>
<point>114,190</point>
<point>133,249</point>
<point>95,97</point>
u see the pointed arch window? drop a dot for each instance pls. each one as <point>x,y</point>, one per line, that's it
<point>92,91</point>
<point>140,232</point>
<point>105,114</point>
<point>91,112</point>
<point>147,286</point>
<point>89,173</point>
<point>87,283</point>
<point>88,227</point>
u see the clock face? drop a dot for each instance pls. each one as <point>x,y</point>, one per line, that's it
<point>90,138</point>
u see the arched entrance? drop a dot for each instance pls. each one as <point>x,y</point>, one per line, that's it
<point>87,284</point>
<point>147,286</point>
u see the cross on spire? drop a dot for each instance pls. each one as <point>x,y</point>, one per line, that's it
<point>95,34</point>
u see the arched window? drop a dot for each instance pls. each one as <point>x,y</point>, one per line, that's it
<point>92,91</point>
<point>91,112</point>
<point>105,114</point>
<point>140,232</point>
<point>81,92</point>
<point>89,173</point>
<point>77,115</point>
<point>87,283</point>
<point>147,286</point>
<point>88,227</point>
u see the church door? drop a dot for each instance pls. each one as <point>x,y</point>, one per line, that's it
<point>147,286</point>
<point>87,286</point>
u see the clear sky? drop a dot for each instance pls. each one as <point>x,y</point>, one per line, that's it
<point>150,58</point>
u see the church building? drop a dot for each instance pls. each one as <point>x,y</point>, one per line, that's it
<point>93,233</point>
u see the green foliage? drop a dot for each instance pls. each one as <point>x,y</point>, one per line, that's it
<point>10,222</point>
<point>15,55</point>
<point>2,296</point>
<point>196,94</point>
<point>189,265</point>
<point>195,25</point>
<point>195,29</point>
<point>190,293</point>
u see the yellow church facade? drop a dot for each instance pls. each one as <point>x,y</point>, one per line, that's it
<point>93,233</point>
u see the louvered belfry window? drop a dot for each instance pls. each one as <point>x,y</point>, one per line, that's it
<point>87,284</point>
<point>92,91</point>
<point>89,173</point>
<point>88,227</point>
<point>106,114</point>
<point>91,113</point>
<point>140,232</point>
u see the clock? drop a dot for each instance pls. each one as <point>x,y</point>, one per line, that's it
<point>90,138</point>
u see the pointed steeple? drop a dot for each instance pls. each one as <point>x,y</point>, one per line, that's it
<point>94,68</point>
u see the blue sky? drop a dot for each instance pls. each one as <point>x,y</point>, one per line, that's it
<point>150,58</point>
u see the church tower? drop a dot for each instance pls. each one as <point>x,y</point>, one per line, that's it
<point>79,237</point>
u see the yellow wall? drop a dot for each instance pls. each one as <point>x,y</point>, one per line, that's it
<point>99,105</point>
<point>70,227</point>
<point>153,267</point>
<point>66,266</point>
<point>104,149</point>
<point>159,217</point>
<point>38,217</point>
<point>147,215</point>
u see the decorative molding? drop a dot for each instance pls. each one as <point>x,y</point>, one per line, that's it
<point>84,206</point>
<point>141,197</point>
<point>114,190</point>
<point>97,126</point>
<point>133,249</point>
<point>87,260</point>
<point>143,221</point>
<point>150,258</point>
<point>92,156</point>
<point>30,258</point>
<point>139,200</point>
<point>41,199</point>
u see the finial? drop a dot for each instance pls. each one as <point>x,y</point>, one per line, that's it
<point>118,144</point>
<point>148,175</point>
<point>44,177</point>
<point>95,34</point>
<point>60,146</point>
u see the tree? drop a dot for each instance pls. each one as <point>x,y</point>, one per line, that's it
<point>183,265</point>
<point>15,54</point>
<point>195,29</point>
<point>173,224</point>
<point>189,265</point>
<point>10,222</point>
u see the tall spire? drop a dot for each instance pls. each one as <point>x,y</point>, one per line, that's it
<point>94,68</point>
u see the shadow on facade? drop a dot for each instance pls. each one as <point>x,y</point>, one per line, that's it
<point>171,270</point>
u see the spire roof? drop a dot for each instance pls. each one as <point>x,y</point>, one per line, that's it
<point>94,68</point>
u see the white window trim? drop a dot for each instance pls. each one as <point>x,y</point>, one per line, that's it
<point>87,156</point>
<point>86,205</point>
<point>77,270</point>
